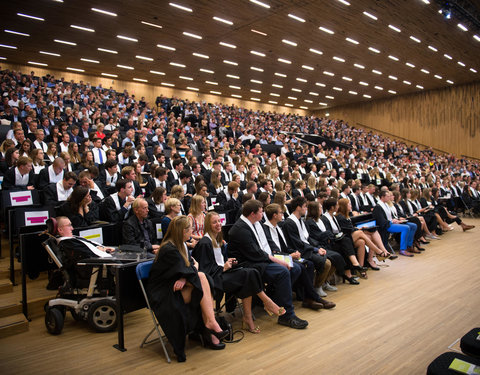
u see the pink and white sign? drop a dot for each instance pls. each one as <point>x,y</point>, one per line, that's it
<point>35,217</point>
<point>21,198</point>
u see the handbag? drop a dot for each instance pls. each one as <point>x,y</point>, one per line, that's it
<point>225,325</point>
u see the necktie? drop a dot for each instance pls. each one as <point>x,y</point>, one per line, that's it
<point>100,156</point>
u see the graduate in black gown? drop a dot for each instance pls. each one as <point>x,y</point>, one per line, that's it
<point>243,282</point>
<point>180,295</point>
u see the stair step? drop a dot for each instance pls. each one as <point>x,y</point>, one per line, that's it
<point>13,324</point>
<point>5,274</point>
<point>5,286</point>
<point>35,308</point>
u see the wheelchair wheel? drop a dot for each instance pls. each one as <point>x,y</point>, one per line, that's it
<point>102,315</point>
<point>75,316</point>
<point>54,321</point>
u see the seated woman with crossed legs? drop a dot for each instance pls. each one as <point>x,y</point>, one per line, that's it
<point>242,282</point>
<point>180,295</point>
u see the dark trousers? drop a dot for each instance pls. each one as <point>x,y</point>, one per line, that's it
<point>279,277</point>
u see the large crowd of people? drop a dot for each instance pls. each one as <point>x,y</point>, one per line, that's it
<point>194,168</point>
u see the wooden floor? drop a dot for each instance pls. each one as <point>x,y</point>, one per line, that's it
<point>396,322</point>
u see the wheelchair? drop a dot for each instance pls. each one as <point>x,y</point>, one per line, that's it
<point>87,291</point>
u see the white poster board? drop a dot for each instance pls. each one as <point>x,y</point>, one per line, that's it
<point>21,198</point>
<point>95,234</point>
<point>158,229</point>
<point>35,217</point>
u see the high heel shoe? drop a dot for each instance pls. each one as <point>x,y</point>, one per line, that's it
<point>281,311</point>
<point>375,268</point>
<point>246,327</point>
<point>424,242</point>
<point>359,268</point>
<point>207,340</point>
<point>350,280</point>
<point>219,335</point>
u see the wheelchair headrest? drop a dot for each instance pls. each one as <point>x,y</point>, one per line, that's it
<point>52,226</point>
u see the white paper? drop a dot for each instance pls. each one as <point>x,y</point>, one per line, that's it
<point>36,217</point>
<point>95,234</point>
<point>158,229</point>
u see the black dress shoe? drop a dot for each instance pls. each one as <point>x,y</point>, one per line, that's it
<point>311,304</point>
<point>292,322</point>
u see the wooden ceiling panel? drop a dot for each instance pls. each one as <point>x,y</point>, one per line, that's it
<point>412,17</point>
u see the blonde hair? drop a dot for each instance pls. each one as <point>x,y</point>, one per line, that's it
<point>174,236</point>
<point>217,240</point>
<point>196,205</point>
<point>169,204</point>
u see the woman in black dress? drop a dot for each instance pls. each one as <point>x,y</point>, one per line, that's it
<point>180,295</point>
<point>242,282</point>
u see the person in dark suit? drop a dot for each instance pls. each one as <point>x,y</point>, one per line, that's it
<point>22,176</point>
<point>115,208</point>
<point>229,201</point>
<point>138,230</point>
<point>128,173</point>
<point>52,174</point>
<point>244,245</point>
<point>108,176</point>
<point>156,203</point>
<point>59,192</point>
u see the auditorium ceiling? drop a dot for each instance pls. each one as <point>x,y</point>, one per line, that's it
<point>303,54</point>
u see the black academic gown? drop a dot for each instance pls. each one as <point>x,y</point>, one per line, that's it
<point>176,318</point>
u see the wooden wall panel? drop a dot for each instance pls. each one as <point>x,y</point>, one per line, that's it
<point>150,92</point>
<point>447,119</point>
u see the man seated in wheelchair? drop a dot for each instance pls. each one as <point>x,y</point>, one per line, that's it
<point>73,249</point>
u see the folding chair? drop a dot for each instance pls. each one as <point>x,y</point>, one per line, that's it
<point>143,271</point>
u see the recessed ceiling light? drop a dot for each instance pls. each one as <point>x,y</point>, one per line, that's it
<point>437,76</point>
<point>301,80</point>
<point>257,69</point>
<point>236,96</point>
<point>370,15</point>
<point>308,67</point>
<point>415,39</point>
<point>344,2</point>
<point>90,60</point>
<point>272,102</point>
<point>460,63</point>
<point>426,1</point>
<point>230,62</point>
<point>257,53</point>
<point>192,88</point>
<point>277,85</point>
<point>318,52</point>
<point>37,63</point>
<point>280,75</point>
<point>325,30</point>
<point>462,27</point>
<point>258,32</point>
<point>303,107</point>
<point>308,101</point>
<point>107,50</point>
<point>167,84</point>
<point>232,76</point>
<point>394,58</point>
<point>353,41</point>
<point>329,97</point>
<point>82,28</point>
<point>395,28</point>
<point>206,71</point>
<point>127,38</point>
<point>347,79</point>
<point>292,98</point>
<point>359,66</point>
<point>376,71</point>
<point>200,55</point>
<point>49,53</point>
<point>410,65</point>
<point>296,17</point>
<point>140,80</point>
<point>378,88</point>
<point>373,50</point>
<point>16,33</point>
<point>31,17</point>
<point>234,87</point>
<point>211,83</point>
<point>433,48</point>
<point>353,92</point>
<point>144,58</point>
<point>448,56</point>
<point>256,81</point>
<point>178,64</point>
<point>393,77</point>
<point>192,35</point>
<point>256,99</point>
<point>320,84</point>
<point>223,20</point>
<point>274,94</point>
<point>419,87</point>
<point>392,92</point>
<point>476,37</point>
<point>288,105</point>
<point>109,75</point>
<point>216,92</point>
<point>322,103</point>
<point>157,72</point>
<point>363,83</point>
<point>265,5</point>
<point>227,45</point>
<point>166,47</point>
<point>181,7</point>
<point>367,96</point>
<point>425,71</point>
<point>256,91</point>
<point>186,78</point>
<point>328,73</point>
<point>338,59</point>
<point>152,24</point>
<point>285,61</point>
<point>296,90</point>
<point>75,69</point>
<point>337,88</point>
<point>450,82</point>
<point>125,66</point>
<point>286,41</point>
<point>473,70</point>
<point>65,42</point>
<point>407,82</point>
